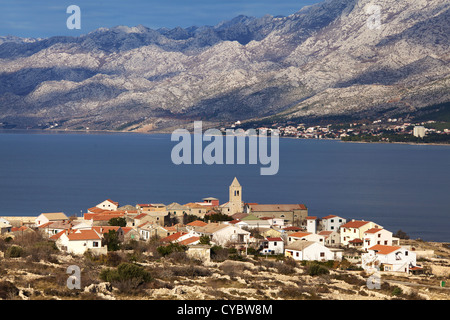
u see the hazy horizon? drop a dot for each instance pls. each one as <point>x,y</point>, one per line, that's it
<point>28,19</point>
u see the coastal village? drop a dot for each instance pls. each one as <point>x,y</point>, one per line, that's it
<point>282,231</point>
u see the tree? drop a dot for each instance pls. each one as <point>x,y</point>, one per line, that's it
<point>401,234</point>
<point>117,222</point>
<point>204,239</point>
<point>112,240</point>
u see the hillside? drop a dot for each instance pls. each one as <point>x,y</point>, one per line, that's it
<point>319,62</point>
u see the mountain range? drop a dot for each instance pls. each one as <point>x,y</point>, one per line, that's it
<point>321,62</point>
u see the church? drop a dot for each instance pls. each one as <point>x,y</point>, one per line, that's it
<point>234,204</point>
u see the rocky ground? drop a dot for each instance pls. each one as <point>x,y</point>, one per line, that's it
<point>177,277</point>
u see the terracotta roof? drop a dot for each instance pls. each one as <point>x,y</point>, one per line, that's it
<point>382,249</point>
<point>22,228</point>
<point>299,234</point>
<point>113,202</point>
<point>325,233</point>
<point>354,224</point>
<point>45,225</point>
<point>329,217</point>
<point>142,215</point>
<point>197,223</point>
<point>356,240</point>
<point>189,241</point>
<point>83,235</point>
<point>292,229</point>
<point>105,217</point>
<point>105,229</point>
<point>96,210</point>
<point>173,237</point>
<point>311,218</point>
<point>274,239</point>
<point>58,235</point>
<point>373,230</point>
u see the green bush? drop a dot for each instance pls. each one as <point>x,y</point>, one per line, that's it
<point>125,272</point>
<point>397,291</point>
<point>14,252</point>
<point>315,269</point>
<point>170,248</point>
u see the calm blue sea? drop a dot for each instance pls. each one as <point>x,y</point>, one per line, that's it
<point>398,186</point>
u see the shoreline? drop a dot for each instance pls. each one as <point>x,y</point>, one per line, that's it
<point>57,131</point>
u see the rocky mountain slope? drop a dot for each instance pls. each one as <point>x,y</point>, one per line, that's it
<point>325,60</point>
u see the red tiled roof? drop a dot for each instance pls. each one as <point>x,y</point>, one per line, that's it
<point>142,215</point>
<point>189,241</point>
<point>329,217</point>
<point>58,235</point>
<point>299,234</point>
<point>197,223</point>
<point>382,249</point>
<point>274,239</point>
<point>83,235</point>
<point>311,218</point>
<point>354,224</point>
<point>292,229</point>
<point>373,230</point>
<point>173,237</point>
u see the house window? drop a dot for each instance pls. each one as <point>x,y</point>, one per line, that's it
<point>275,243</point>
<point>332,220</point>
<point>385,242</point>
<point>332,228</point>
<point>379,235</point>
<point>322,254</point>
<point>95,244</point>
<point>340,220</point>
<point>296,254</point>
<point>406,253</point>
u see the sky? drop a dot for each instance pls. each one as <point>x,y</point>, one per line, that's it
<point>46,18</point>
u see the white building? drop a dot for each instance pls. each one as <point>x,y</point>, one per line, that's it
<point>332,222</point>
<point>308,250</point>
<point>79,241</point>
<point>419,131</point>
<point>306,236</point>
<point>389,258</point>
<point>108,205</point>
<point>311,224</point>
<point>223,234</point>
<point>273,246</point>
<point>44,218</point>
<point>377,236</point>
<point>354,230</point>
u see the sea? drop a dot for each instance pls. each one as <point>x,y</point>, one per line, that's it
<point>399,186</point>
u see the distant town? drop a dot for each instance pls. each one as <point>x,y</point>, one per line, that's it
<point>389,130</point>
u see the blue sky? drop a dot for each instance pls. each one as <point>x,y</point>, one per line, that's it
<point>45,18</point>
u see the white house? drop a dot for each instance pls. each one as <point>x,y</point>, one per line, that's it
<point>389,258</point>
<point>44,218</point>
<point>273,246</point>
<point>5,226</point>
<point>311,224</point>
<point>354,230</point>
<point>332,222</point>
<point>376,236</point>
<point>308,250</point>
<point>306,236</point>
<point>223,234</point>
<point>108,205</point>
<point>79,241</point>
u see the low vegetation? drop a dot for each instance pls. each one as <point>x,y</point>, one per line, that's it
<point>32,268</point>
